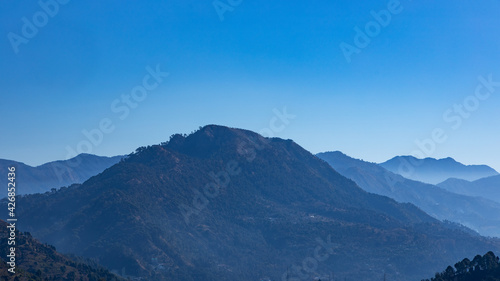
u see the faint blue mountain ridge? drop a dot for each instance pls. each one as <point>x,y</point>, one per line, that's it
<point>434,171</point>
<point>486,187</point>
<point>477,213</point>
<point>57,173</point>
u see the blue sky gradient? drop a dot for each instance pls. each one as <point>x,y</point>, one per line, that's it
<point>263,55</point>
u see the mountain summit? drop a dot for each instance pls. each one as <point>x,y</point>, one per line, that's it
<point>229,204</point>
<point>434,171</point>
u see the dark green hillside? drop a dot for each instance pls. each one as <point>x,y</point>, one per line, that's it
<point>36,261</point>
<point>58,173</point>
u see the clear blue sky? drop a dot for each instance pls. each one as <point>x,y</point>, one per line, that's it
<point>262,55</point>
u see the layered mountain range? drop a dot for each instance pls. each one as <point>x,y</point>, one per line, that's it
<point>486,187</point>
<point>228,204</point>
<point>57,173</point>
<point>477,213</point>
<point>434,171</point>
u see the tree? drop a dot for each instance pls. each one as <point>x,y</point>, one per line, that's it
<point>449,272</point>
<point>466,262</point>
<point>476,263</point>
<point>460,267</point>
<point>482,268</point>
<point>71,276</point>
<point>489,261</point>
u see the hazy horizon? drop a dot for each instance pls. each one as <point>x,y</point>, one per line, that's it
<point>332,150</point>
<point>419,71</point>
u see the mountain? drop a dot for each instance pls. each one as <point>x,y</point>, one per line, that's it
<point>36,261</point>
<point>434,171</point>
<point>58,173</point>
<point>481,268</point>
<point>486,187</point>
<point>476,213</point>
<point>228,204</point>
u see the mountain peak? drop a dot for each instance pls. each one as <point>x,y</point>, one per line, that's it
<point>224,196</point>
<point>210,139</point>
<point>434,171</point>
<point>413,158</point>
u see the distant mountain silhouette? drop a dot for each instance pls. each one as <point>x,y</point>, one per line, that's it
<point>477,213</point>
<point>58,173</point>
<point>228,204</point>
<point>486,187</point>
<point>434,171</point>
<point>37,261</point>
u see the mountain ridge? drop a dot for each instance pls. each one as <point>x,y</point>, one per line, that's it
<point>434,171</point>
<point>474,212</point>
<point>488,187</point>
<point>272,203</point>
<point>55,174</point>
